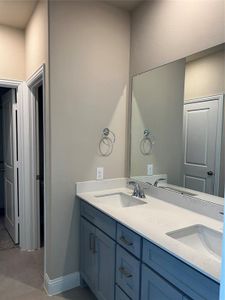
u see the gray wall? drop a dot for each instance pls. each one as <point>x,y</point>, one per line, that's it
<point>157,104</point>
<point>204,76</point>
<point>12,53</point>
<point>164,31</point>
<point>36,39</point>
<point>89,76</point>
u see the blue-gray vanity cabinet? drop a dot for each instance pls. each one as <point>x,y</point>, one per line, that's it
<point>154,287</point>
<point>127,273</point>
<point>191,282</point>
<point>118,264</point>
<point>97,261</point>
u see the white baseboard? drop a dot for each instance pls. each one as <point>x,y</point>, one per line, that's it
<point>61,284</point>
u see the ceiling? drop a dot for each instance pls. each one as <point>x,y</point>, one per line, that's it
<point>16,13</point>
<point>125,4</point>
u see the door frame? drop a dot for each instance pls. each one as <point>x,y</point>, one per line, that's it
<point>220,99</point>
<point>32,83</point>
<point>28,232</point>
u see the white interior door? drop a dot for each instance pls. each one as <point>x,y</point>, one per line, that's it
<point>10,163</point>
<point>200,136</point>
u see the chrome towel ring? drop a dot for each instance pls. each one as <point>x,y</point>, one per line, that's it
<point>147,142</point>
<point>107,140</point>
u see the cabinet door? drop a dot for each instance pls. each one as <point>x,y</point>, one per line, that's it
<point>105,252</point>
<point>155,287</point>
<point>88,257</point>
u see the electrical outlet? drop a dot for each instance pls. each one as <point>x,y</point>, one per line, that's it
<point>100,173</point>
<point>149,169</point>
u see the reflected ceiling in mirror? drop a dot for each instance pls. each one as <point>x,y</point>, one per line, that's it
<point>177,125</point>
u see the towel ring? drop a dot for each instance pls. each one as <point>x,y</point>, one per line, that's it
<point>107,140</point>
<point>147,142</point>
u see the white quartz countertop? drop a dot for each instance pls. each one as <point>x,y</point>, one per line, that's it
<point>156,218</point>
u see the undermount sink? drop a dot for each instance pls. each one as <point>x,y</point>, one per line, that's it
<point>200,238</point>
<point>118,200</point>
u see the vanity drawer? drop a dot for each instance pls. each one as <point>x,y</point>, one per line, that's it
<point>120,295</point>
<point>127,273</point>
<point>129,240</point>
<point>193,283</point>
<point>99,219</point>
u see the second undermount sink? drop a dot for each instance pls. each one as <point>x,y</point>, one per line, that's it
<point>200,238</point>
<point>118,200</point>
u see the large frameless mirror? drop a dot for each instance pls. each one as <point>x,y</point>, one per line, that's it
<point>177,125</point>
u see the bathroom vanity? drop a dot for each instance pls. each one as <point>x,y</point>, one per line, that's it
<point>166,246</point>
<point>147,249</point>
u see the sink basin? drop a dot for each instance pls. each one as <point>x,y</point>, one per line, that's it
<point>200,238</point>
<point>118,200</point>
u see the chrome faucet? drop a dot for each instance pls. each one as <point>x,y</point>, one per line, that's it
<point>138,192</point>
<point>158,180</point>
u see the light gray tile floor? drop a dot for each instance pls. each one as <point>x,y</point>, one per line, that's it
<point>21,278</point>
<point>5,240</point>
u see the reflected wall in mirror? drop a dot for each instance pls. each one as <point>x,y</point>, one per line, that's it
<point>177,124</point>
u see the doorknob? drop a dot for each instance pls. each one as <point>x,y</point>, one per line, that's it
<point>210,173</point>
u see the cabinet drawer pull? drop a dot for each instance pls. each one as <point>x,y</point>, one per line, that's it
<point>124,272</point>
<point>125,241</point>
<point>91,239</point>
<point>94,245</point>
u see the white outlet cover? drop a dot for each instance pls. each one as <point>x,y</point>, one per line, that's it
<point>100,173</point>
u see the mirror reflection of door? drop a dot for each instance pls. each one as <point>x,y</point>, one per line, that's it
<point>200,142</point>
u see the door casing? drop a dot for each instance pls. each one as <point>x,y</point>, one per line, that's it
<point>27,158</point>
<point>32,84</point>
